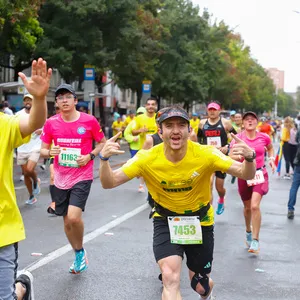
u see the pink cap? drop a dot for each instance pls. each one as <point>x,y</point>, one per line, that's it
<point>214,106</point>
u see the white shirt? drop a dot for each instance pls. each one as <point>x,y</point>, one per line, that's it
<point>8,111</point>
<point>35,142</point>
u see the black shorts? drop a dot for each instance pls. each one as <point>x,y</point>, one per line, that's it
<point>51,160</point>
<point>77,196</point>
<point>199,257</point>
<point>220,175</point>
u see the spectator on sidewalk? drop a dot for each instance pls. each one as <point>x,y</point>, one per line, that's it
<point>296,181</point>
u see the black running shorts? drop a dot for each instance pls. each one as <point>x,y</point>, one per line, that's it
<point>77,196</point>
<point>199,257</point>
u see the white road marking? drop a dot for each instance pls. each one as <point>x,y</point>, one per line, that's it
<point>87,238</point>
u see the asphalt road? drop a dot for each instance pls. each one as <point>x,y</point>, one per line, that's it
<point>118,237</point>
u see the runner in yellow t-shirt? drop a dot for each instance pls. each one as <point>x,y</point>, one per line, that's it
<point>118,126</point>
<point>194,123</point>
<point>177,173</point>
<point>129,118</point>
<point>145,126</point>
<point>14,130</point>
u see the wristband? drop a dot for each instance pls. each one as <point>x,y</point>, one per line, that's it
<point>103,158</point>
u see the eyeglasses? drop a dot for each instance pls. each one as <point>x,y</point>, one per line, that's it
<point>67,97</point>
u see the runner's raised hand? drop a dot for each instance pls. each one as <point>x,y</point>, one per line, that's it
<point>111,147</point>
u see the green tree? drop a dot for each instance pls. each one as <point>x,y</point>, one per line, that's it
<point>19,33</point>
<point>285,104</point>
<point>186,66</point>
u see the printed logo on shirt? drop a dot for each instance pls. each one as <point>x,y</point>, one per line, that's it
<point>195,174</point>
<point>81,130</point>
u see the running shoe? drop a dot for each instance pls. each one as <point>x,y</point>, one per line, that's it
<point>141,189</point>
<point>220,208</point>
<point>248,239</point>
<point>290,214</point>
<point>43,167</point>
<point>80,263</point>
<point>26,279</point>
<point>22,178</point>
<point>208,298</point>
<point>37,189</point>
<point>51,209</point>
<point>254,247</point>
<point>287,176</point>
<point>31,200</point>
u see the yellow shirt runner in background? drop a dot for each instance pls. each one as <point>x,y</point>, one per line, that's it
<point>149,123</point>
<point>182,187</point>
<point>195,125</point>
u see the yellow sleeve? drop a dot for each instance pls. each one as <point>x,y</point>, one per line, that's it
<point>15,136</point>
<point>113,125</point>
<point>285,135</point>
<point>221,162</point>
<point>133,167</point>
<point>137,123</point>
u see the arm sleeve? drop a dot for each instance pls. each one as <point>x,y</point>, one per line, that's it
<point>97,131</point>
<point>128,132</point>
<point>220,161</point>
<point>46,135</point>
<point>134,166</point>
<point>15,135</point>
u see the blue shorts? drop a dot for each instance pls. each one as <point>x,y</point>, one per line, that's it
<point>8,271</point>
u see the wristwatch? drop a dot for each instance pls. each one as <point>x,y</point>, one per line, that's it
<point>251,159</point>
<point>92,156</point>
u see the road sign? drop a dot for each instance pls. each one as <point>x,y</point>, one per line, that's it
<point>146,86</point>
<point>89,74</point>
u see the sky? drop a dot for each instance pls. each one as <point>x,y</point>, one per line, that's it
<point>270,28</point>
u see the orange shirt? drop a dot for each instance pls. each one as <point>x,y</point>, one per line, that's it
<point>266,128</point>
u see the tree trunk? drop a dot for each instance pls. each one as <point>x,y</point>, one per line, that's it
<point>139,97</point>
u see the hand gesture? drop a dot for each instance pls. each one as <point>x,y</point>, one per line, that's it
<point>82,160</point>
<point>54,151</point>
<point>224,149</point>
<point>39,83</point>
<point>111,147</point>
<point>240,148</point>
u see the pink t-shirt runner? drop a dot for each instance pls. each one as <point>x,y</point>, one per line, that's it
<point>79,135</point>
<point>259,143</point>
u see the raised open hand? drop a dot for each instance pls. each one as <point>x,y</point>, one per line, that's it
<point>38,85</point>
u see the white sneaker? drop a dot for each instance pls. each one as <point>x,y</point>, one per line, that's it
<point>22,178</point>
<point>141,189</point>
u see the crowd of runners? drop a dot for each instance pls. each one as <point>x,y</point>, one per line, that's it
<point>179,158</point>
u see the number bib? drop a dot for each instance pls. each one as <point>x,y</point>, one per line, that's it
<point>258,178</point>
<point>214,141</point>
<point>185,230</point>
<point>68,157</point>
